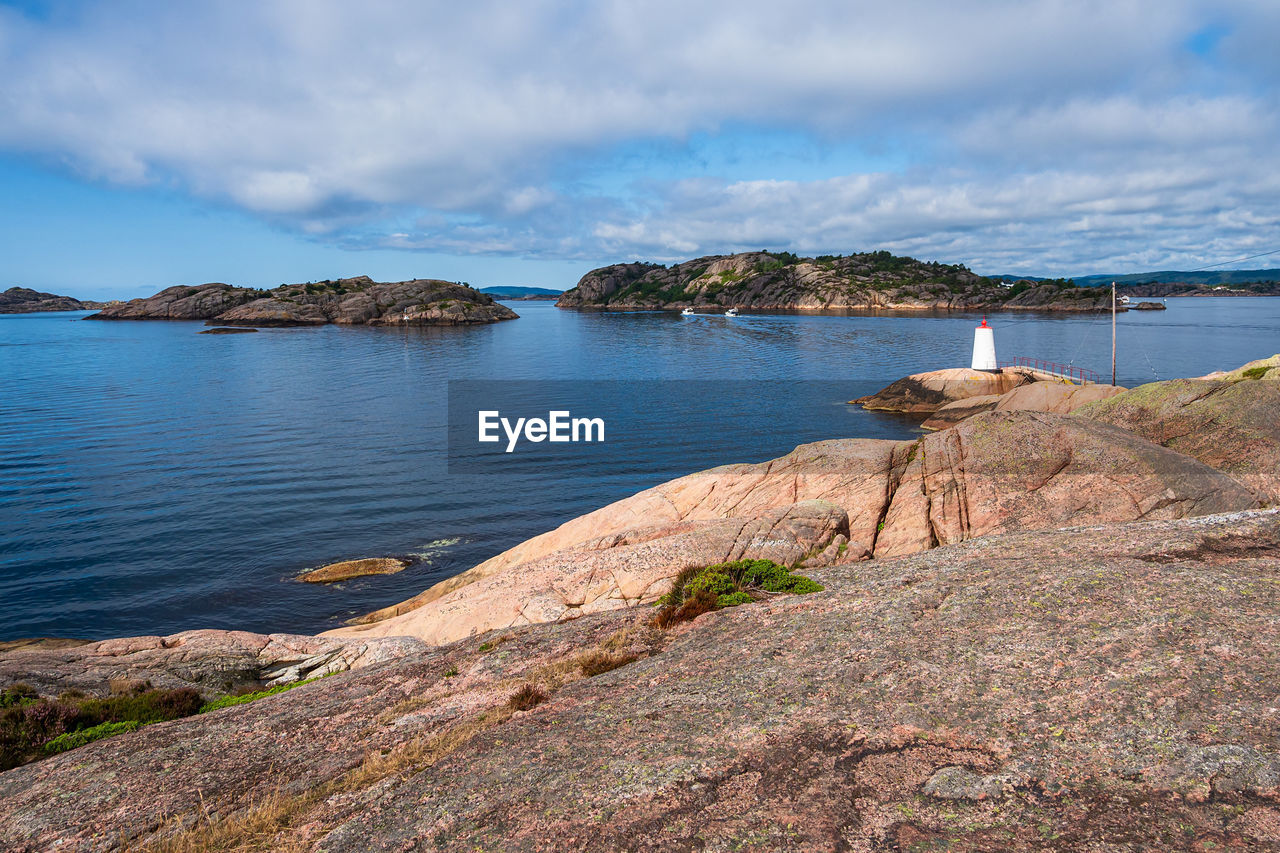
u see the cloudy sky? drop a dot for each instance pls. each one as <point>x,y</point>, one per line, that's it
<point>144,144</point>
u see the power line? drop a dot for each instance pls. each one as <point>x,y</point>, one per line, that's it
<point>1237,260</point>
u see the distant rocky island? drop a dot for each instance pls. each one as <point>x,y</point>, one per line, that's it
<point>349,301</point>
<point>783,281</point>
<point>24,300</point>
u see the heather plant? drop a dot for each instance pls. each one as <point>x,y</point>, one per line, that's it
<point>31,727</point>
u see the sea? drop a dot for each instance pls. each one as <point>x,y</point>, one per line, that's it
<point>154,479</point>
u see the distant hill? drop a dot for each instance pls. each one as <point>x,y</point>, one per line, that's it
<point>517,292</point>
<point>1179,282</point>
<point>1208,277</point>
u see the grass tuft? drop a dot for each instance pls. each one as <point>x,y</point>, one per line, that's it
<point>599,661</point>
<point>529,696</point>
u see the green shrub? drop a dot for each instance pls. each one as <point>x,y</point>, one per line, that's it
<point>80,737</point>
<point>698,590</point>
<point>733,599</point>
<point>1255,372</point>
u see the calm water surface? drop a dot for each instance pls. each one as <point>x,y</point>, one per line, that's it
<point>153,479</point>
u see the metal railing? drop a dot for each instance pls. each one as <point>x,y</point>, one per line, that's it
<point>1052,368</point>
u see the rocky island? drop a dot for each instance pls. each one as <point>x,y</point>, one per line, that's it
<point>1030,630</point>
<point>350,301</point>
<point>24,300</point>
<point>782,281</point>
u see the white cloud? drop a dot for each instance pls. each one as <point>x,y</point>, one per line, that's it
<point>1033,131</point>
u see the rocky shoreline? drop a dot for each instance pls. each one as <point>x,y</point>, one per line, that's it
<point>1050,624</point>
<point>348,301</point>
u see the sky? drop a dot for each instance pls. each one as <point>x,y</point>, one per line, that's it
<point>145,144</point>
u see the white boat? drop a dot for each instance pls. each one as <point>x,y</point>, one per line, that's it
<point>732,312</point>
<point>688,312</point>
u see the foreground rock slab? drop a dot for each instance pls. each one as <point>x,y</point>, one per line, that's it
<point>1109,688</point>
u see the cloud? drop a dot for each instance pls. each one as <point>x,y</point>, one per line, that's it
<point>1023,134</point>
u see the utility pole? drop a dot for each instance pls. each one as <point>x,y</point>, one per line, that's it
<point>1113,333</point>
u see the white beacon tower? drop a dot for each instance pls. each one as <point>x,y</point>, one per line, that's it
<point>984,347</point>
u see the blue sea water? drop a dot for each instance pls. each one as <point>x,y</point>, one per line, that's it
<point>153,479</point>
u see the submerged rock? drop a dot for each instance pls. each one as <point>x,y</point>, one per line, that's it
<point>347,569</point>
<point>228,330</point>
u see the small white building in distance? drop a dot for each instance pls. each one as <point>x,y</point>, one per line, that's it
<point>984,347</point>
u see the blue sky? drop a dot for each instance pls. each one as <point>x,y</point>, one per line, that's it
<point>144,144</point>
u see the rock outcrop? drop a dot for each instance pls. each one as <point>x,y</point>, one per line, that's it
<point>629,567</point>
<point>995,472</point>
<point>1105,688</point>
<point>782,281</point>
<point>24,300</point>
<point>926,393</point>
<point>352,301</point>
<point>1230,424</point>
<point>1059,398</point>
<point>1261,368</point>
<point>210,661</point>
